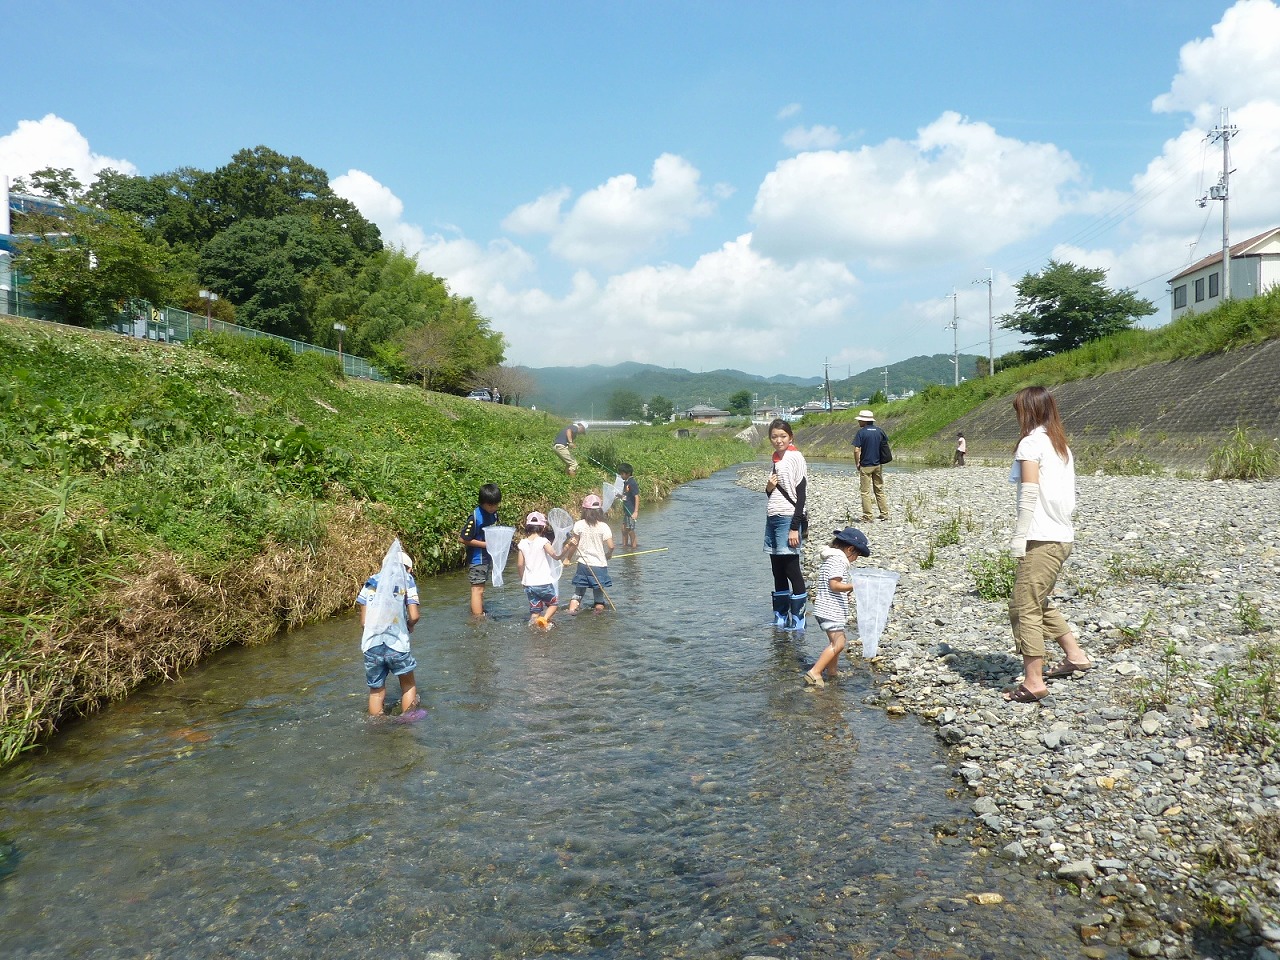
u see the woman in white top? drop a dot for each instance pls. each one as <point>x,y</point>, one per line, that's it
<point>1045,473</point>
<point>784,527</point>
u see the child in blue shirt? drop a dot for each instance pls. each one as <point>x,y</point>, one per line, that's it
<point>472,536</point>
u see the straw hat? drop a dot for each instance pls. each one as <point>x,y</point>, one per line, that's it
<point>866,415</point>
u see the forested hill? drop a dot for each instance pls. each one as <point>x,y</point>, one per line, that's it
<point>584,391</point>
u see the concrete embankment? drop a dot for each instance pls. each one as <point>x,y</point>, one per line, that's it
<point>1175,413</point>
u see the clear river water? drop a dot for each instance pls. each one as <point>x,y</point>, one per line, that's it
<point>655,782</point>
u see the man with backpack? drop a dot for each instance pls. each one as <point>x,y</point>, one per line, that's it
<point>871,449</point>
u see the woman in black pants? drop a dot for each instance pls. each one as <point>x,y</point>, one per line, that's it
<point>783,534</point>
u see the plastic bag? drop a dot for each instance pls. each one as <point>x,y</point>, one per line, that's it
<point>385,617</point>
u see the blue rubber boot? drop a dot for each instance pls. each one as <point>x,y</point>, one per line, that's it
<point>781,608</point>
<point>795,617</point>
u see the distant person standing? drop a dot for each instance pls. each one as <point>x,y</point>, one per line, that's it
<point>564,444</point>
<point>961,449</point>
<point>630,505</point>
<point>866,450</point>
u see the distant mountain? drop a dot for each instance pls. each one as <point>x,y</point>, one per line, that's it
<point>585,391</point>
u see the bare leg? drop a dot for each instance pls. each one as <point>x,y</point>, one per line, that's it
<point>477,600</point>
<point>831,656</point>
<point>1033,675</point>
<point>1071,648</point>
<point>376,700</point>
<point>408,692</point>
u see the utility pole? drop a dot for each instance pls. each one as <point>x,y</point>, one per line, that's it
<point>989,280</point>
<point>954,327</point>
<point>886,383</point>
<point>826,380</point>
<point>1221,191</point>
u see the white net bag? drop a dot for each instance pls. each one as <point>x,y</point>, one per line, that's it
<point>497,541</point>
<point>873,590</point>
<point>561,522</point>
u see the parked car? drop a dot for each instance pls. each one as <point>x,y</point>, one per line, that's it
<point>480,395</point>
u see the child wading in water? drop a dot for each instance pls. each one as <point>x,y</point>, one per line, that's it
<point>389,610</point>
<point>831,598</point>
<point>592,540</point>
<point>533,560</point>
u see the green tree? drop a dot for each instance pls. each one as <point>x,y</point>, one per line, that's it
<point>878,398</point>
<point>89,262</point>
<point>56,183</point>
<point>660,409</point>
<point>740,402</point>
<point>265,266</point>
<point>625,405</point>
<point>1065,306</point>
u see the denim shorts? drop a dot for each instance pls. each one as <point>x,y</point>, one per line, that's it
<point>593,577</point>
<point>541,596</point>
<point>775,536</point>
<point>380,660</point>
<point>478,573</point>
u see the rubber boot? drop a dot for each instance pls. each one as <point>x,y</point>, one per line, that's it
<point>781,608</point>
<point>795,618</point>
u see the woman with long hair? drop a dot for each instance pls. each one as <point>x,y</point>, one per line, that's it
<point>783,530</point>
<point>1043,534</point>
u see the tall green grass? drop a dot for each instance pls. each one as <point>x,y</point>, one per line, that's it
<point>183,475</point>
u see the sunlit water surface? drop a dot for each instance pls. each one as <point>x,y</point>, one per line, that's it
<point>654,782</point>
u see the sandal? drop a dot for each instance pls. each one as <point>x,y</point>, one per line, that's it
<point>1067,669</point>
<point>1022,695</point>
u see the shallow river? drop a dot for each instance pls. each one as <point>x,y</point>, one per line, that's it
<point>651,783</point>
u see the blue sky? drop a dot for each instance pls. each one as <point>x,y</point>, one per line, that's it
<point>764,186</point>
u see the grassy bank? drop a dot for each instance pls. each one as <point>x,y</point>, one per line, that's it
<point>917,421</point>
<point>158,502</point>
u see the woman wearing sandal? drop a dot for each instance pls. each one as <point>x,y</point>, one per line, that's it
<point>1044,471</point>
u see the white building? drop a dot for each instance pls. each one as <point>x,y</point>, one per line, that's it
<point>1255,268</point>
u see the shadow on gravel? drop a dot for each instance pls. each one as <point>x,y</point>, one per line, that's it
<point>994,670</point>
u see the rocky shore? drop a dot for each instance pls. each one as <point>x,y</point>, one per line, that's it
<point>1147,781</point>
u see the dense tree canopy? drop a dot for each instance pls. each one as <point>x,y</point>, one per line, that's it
<point>268,235</point>
<point>1065,306</point>
<point>89,263</point>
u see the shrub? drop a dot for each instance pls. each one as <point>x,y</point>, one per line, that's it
<point>1242,458</point>
<point>993,575</point>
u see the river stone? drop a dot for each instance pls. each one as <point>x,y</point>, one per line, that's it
<point>1077,870</point>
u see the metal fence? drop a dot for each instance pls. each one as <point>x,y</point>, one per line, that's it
<point>170,325</point>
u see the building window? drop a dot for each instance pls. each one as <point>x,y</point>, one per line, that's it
<point>1180,297</point>
<point>1213,285</point>
<point>1199,289</point>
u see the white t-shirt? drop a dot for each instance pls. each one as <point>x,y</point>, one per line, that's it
<point>1052,519</point>
<point>827,604</point>
<point>537,565</point>
<point>591,538</point>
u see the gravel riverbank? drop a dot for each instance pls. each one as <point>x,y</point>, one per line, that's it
<point>1130,781</point>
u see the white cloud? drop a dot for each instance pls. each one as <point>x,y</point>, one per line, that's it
<point>54,142</point>
<point>539,216</point>
<point>1240,62</point>
<point>958,188</point>
<point>811,138</point>
<point>619,220</point>
<point>790,110</point>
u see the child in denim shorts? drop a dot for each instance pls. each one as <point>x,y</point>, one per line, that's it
<point>383,654</point>
<point>535,558</point>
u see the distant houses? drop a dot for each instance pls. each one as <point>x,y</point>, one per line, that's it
<point>702,413</point>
